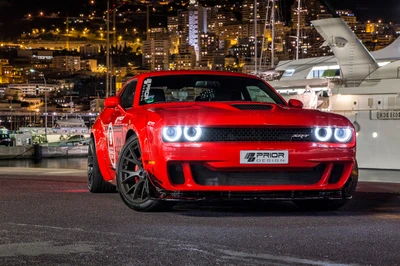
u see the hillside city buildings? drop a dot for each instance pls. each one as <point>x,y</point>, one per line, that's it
<point>69,54</point>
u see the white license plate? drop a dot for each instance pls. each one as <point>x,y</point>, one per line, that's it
<point>264,157</point>
<point>388,115</point>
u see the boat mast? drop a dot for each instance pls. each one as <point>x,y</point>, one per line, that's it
<point>263,37</point>
<point>108,50</point>
<point>273,34</point>
<point>255,36</point>
<point>298,30</point>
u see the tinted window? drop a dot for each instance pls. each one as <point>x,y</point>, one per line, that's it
<point>128,94</point>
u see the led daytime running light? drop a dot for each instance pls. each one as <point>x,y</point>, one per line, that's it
<point>326,137</point>
<point>176,137</point>
<point>189,137</point>
<point>345,137</point>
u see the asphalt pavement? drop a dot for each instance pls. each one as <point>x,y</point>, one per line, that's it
<point>48,217</point>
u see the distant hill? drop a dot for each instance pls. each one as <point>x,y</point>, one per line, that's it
<point>13,11</point>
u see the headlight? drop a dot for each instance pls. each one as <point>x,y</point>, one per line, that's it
<point>172,133</point>
<point>323,133</point>
<point>178,133</point>
<point>192,133</point>
<point>342,134</point>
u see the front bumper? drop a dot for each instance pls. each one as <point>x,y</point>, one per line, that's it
<point>213,170</point>
<point>266,195</point>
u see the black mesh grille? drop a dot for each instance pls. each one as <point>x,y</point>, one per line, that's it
<point>256,134</point>
<point>252,106</point>
<point>204,176</point>
<point>336,173</point>
<point>175,173</point>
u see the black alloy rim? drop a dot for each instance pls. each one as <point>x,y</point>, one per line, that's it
<point>134,184</point>
<point>90,163</point>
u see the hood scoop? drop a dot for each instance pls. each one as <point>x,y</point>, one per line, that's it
<point>252,106</point>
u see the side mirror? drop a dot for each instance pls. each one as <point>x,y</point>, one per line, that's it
<point>295,103</point>
<point>112,102</point>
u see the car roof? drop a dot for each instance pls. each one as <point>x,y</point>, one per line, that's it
<point>193,72</point>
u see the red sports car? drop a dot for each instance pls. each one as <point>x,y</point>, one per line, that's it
<point>193,135</point>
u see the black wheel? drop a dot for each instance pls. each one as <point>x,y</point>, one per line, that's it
<point>133,183</point>
<point>326,204</point>
<point>96,183</point>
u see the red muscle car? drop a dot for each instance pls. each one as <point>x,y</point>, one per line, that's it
<point>193,135</point>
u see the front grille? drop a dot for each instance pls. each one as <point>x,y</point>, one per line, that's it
<point>252,106</point>
<point>256,134</point>
<point>204,176</point>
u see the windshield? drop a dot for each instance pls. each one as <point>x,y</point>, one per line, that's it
<point>4,136</point>
<point>187,88</point>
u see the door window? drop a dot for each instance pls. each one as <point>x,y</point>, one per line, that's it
<point>128,94</point>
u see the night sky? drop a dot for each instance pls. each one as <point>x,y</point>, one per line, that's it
<point>387,10</point>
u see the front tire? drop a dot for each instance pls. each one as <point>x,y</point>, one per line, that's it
<point>96,183</point>
<point>133,182</point>
<point>327,204</point>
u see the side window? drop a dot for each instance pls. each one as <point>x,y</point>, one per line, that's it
<point>128,94</point>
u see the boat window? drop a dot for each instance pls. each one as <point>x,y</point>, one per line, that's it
<point>128,94</point>
<point>324,72</point>
<point>288,73</point>
<point>258,95</point>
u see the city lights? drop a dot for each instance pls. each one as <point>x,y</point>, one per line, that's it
<point>215,38</point>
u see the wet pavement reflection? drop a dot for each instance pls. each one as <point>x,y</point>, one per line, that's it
<point>64,163</point>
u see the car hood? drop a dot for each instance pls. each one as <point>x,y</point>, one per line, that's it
<point>239,113</point>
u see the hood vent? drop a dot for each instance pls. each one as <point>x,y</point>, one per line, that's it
<point>252,106</point>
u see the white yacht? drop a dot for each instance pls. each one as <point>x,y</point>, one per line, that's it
<point>69,120</point>
<point>66,126</point>
<point>363,86</point>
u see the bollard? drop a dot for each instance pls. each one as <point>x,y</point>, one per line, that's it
<point>37,152</point>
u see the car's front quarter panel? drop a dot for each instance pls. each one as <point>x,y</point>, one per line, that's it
<point>133,122</point>
<point>99,131</point>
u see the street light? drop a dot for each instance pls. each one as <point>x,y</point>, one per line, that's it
<point>45,101</point>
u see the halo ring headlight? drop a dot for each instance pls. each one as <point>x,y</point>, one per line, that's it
<point>192,133</point>
<point>342,134</point>
<point>323,133</point>
<point>172,134</point>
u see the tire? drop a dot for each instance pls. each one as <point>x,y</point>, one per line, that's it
<point>133,183</point>
<point>327,204</point>
<point>96,183</point>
